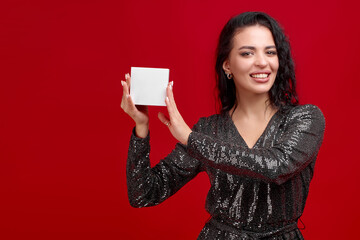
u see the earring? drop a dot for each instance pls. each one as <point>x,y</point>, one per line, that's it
<point>229,75</point>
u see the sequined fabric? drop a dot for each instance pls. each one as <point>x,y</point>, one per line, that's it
<point>256,193</point>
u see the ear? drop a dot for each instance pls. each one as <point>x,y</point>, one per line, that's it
<point>226,66</point>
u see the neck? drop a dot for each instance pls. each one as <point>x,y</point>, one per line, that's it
<point>253,106</point>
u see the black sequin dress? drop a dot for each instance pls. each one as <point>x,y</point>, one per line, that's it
<point>256,193</point>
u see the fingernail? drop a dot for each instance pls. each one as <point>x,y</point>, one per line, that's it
<point>122,83</point>
<point>170,87</point>
<point>126,76</point>
<point>167,99</point>
<point>172,83</point>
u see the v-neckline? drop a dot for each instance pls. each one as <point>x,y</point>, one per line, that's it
<point>265,130</point>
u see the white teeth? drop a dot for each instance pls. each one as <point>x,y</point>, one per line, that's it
<point>262,75</point>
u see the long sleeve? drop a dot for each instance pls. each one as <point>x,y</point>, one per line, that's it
<point>291,152</point>
<point>150,186</point>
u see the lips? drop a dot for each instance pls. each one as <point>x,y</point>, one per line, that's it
<point>260,77</point>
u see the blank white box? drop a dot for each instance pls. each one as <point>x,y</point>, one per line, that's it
<point>148,85</point>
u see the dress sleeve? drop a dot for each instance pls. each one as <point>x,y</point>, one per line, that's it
<point>150,186</point>
<point>296,147</point>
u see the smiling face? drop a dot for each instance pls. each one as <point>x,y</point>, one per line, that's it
<point>253,60</point>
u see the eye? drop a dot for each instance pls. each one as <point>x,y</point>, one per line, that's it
<point>271,52</point>
<point>244,54</point>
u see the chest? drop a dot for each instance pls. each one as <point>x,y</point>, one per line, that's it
<point>251,131</point>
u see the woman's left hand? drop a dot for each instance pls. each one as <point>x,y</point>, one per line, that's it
<point>176,124</point>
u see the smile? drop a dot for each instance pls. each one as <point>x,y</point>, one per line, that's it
<point>261,75</point>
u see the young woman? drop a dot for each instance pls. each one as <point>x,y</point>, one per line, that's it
<point>259,151</point>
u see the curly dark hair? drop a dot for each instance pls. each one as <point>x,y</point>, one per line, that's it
<point>282,94</point>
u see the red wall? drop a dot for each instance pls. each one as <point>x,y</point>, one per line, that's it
<point>64,138</point>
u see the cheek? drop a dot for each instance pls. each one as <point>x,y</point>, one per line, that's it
<point>275,64</point>
<point>241,66</point>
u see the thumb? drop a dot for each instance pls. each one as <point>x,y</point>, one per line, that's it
<point>163,119</point>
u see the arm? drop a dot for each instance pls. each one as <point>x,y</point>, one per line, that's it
<point>150,186</point>
<point>291,153</point>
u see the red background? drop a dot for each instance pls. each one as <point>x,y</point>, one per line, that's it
<point>64,138</point>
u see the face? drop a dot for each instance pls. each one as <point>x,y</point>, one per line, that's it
<point>253,61</point>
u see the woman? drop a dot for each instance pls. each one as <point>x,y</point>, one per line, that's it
<point>259,152</point>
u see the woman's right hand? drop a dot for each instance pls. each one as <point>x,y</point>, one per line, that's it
<point>138,113</point>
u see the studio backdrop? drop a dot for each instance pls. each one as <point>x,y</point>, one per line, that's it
<point>64,137</point>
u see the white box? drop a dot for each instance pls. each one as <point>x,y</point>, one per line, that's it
<point>148,85</point>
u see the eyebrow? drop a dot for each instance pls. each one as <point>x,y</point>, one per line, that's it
<point>253,48</point>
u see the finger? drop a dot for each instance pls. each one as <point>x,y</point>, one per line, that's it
<point>164,119</point>
<point>125,88</point>
<point>130,104</point>
<point>170,94</point>
<point>123,98</point>
<point>123,83</point>
<point>127,101</point>
<point>170,108</point>
<point>124,101</point>
<point>128,79</point>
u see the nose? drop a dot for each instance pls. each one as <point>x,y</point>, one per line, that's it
<point>261,60</point>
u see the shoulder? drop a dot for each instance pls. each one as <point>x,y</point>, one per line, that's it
<point>306,109</point>
<point>307,114</point>
<point>206,123</point>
